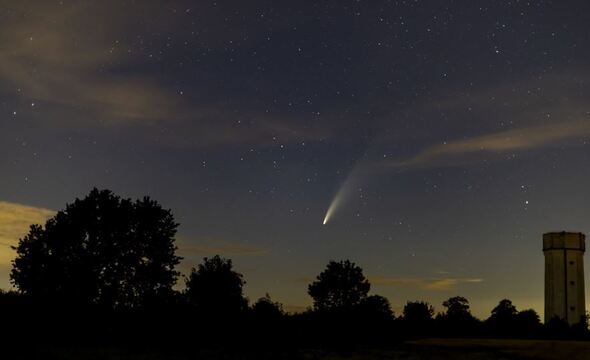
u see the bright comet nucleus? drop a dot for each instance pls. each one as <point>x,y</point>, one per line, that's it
<point>331,210</point>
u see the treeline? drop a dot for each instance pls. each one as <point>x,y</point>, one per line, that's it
<point>102,271</point>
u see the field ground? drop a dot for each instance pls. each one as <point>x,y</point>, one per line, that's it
<point>476,349</point>
<point>431,349</point>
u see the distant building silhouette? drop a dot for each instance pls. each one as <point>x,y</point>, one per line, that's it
<point>564,276</point>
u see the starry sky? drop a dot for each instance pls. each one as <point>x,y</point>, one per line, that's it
<point>444,136</point>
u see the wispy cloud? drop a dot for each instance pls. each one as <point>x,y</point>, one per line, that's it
<point>15,220</point>
<point>532,137</point>
<point>431,284</point>
<point>49,59</point>
<point>99,78</point>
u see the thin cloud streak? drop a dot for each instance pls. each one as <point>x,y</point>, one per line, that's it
<point>534,137</point>
<point>15,220</point>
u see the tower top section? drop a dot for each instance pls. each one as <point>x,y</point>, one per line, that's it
<point>564,241</point>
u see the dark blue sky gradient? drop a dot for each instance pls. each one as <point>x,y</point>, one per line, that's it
<point>470,119</point>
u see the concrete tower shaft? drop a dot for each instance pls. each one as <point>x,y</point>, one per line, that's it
<point>564,276</point>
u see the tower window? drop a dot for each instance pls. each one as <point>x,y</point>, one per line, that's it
<point>572,308</point>
<point>572,283</point>
<point>571,262</point>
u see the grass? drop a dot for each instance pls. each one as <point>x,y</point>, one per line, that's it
<point>432,349</point>
<point>518,349</point>
<point>470,349</point>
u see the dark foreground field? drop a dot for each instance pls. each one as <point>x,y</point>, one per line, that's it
<point>467,349</point>
<point>493,349</point>
<point>478,349</point>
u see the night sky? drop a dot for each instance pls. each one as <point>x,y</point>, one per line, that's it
<point>444,136</point>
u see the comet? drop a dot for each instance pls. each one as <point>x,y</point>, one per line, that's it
<point>352,181</point>
<point>333,206</point>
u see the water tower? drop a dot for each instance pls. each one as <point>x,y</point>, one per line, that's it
<point>564,276</point>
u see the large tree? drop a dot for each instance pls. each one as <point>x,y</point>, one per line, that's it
<point>376,307</point>
<point>418,312</point>
<point>214,288</point>
<point>503,320</point>
<point>342,286</point>
<point>267,309</point>
<point>458,320</point>
<point>528,323</point>
<point>457,308</point>
<point>100,250</point>
<point>504,313</point>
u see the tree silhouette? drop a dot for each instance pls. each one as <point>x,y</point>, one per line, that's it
<point>529,316</point>
<point>579,329</point>
<point>267,309</point>
<point>503,320</point>
<point>375,307</point>
<point>100,250</point>
<point>457,308</point>
<point>557,327</point>
<point>418,312</point>
<point>457,320</point>
<point>418,318</point>
<point>342,286</point>
<point>504,312</point>
<point>528,323</point>
<point>214,288</point>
